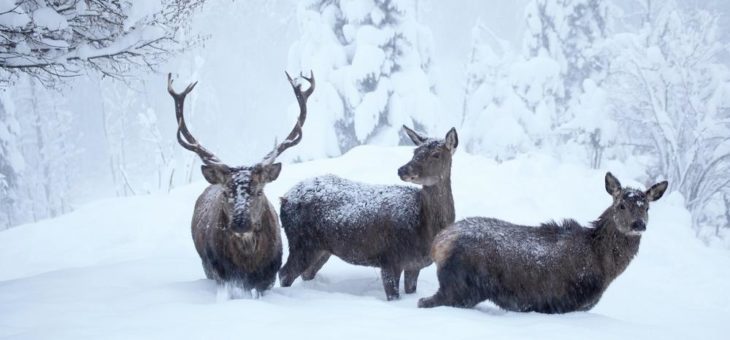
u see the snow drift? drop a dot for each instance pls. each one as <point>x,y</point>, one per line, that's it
<point>127,268</point>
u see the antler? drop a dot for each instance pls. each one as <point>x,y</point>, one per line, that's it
<point>184,137</point>
<point>295,136</point>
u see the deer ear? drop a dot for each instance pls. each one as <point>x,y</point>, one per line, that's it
<point>656,191</point>
<point>415,136</point>
<point>215,174</point>
<point>271,172</point>
<point>452,140</point>
<point>613,186</point>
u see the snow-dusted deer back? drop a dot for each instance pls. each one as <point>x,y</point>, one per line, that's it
<point>390,227</point>
<point>235,228</point>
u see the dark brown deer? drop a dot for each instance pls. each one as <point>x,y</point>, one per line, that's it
<point>235,228</point>
<point>553,268</point>
<point>390,227</point>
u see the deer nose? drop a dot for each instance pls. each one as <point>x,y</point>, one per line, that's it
<point>402,172</point>
<point>406,173</point>
<point>240,224</point>
<point>638,226</point>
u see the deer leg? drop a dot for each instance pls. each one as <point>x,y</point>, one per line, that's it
<point>212,268</point>
<point>208,271</point>
<point>216,271</point>
<point>391,281</point>
<point>410,279</point>
<point>433,301</point>
<point>457,288</point>
<point>445,291</point>
<point>312,270</point>
<point>296,263</point>
<point>449,296</point>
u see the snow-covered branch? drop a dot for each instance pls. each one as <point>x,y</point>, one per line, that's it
<point>66,38</point>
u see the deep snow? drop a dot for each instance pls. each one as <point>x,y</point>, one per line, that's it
<point>126,268</point>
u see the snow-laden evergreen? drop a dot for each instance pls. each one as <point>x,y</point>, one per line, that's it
<point>373,61</point>
<point>39,153</point>
<point>669,93</point>
<point>652,92</point>
<point>497,121</point>
<point>11,162</point>
<point>546,96</point>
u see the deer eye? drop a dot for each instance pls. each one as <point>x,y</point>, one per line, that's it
<point>259,193</point>
<point>436,155</point>
<point>621,206</point>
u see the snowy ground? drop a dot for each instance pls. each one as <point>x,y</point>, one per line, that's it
<point>126,268</point>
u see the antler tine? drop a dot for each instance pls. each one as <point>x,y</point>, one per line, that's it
<point>181,94</point>
<point>295,136</point>
<point>184,137</point>
<point>310,79</point>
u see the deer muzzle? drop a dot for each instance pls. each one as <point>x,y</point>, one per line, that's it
<point>638,226</point>
<point>406,173</point>
<point>241,224</point>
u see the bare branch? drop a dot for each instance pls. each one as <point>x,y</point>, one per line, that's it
<point>97,38</point>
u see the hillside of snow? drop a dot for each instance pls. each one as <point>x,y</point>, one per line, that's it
<point>126,268</point>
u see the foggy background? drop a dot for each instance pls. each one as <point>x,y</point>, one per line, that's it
<point>484,67</point>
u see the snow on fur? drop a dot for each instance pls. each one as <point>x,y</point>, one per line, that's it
<point>357,202</point>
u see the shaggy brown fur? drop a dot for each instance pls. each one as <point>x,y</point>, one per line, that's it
<point>246,259</point>
<point>553,268</point>
<point>389,227</point>
<point>235,228</point>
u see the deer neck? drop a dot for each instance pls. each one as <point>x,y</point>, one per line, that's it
<point>615,249</point>
<point>247,249</point>
<point>437,207</point>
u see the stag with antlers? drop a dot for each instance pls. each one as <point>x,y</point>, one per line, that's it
<point>235,228</point>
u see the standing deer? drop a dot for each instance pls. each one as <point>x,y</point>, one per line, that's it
<point>235,228</point>
<point>390,227</point>
<point>553,268</point>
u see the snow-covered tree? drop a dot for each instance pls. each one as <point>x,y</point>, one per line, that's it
<point>47,149</point>
<point>11,160</point>
<point>140,159</point>
<point>52,40</point>
<point>160,150</point>
<point>372,60</point>
<point>45,43</point>
<point>119,103</point>
<point>548,96</point>
<point>502,94</point>
<point>572,33</point>
<point>670,92</point>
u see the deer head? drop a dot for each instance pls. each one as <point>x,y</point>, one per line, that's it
<point>630,208</point>
<point>431,162</point>
<point>243,200</point>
